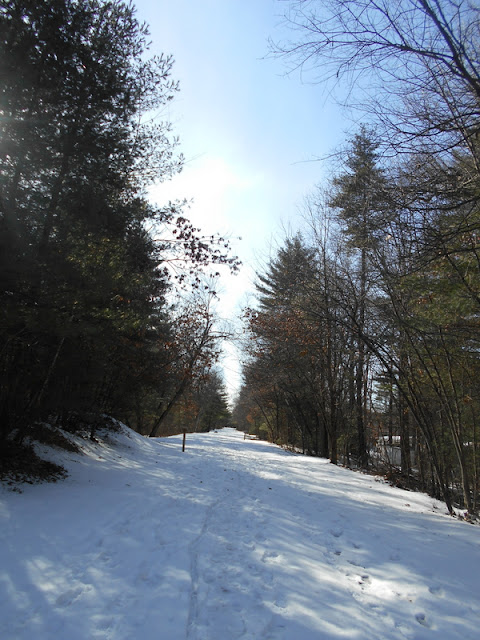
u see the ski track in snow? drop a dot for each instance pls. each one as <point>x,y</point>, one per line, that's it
<point>231,540</point>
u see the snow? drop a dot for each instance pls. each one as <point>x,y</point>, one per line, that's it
<point>232,539</point>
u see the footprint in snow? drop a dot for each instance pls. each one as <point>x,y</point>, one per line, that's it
<point>354,563</point>
<point>209,576</point>
<point>269,555</point>
<point>104,622</point>
<point>274,629</point>
<point>421,619</point>
<point>337,532</point>
<point>158,539</point>
<point>67,598</point>
<point>104,557</point>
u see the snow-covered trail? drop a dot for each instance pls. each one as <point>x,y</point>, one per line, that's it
<point>230,540</point>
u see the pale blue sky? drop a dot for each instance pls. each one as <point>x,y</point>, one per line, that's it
<point>249,132</point>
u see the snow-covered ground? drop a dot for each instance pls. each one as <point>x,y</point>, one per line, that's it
<point>232,539</point>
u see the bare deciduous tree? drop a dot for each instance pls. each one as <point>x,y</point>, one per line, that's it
<point>412,64</point>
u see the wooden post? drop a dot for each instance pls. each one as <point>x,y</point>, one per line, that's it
<point>184,438</point>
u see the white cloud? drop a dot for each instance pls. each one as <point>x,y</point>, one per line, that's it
<point>217,189</point>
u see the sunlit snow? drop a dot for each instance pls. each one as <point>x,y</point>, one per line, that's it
<point>232,539</point>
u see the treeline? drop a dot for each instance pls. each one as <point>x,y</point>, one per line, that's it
<point>87,320</point>
<point>365,343</point>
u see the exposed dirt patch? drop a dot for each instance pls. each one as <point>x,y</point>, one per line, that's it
<point>20,464</point>
<point>53,437</point>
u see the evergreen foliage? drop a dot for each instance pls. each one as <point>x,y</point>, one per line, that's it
<point>85,327</point>
<point>364,345</point>
<point>393,291</point>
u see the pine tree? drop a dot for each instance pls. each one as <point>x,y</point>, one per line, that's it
<point>80,276</point>
<point>359,200</point>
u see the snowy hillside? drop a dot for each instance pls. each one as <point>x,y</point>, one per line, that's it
<point>232,539</point>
